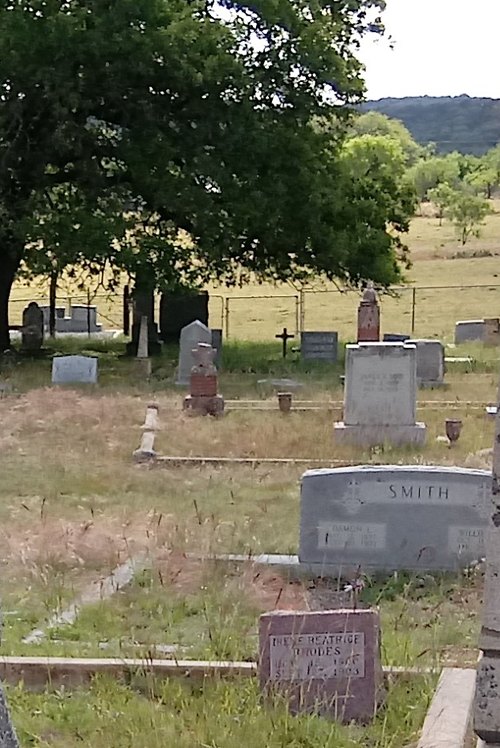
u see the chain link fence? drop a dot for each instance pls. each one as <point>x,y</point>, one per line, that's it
<point>429,311</point>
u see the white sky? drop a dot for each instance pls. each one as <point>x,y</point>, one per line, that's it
<point>441,48</point>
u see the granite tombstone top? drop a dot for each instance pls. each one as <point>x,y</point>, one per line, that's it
<point>393,517</point>
<point>194,333</point>
<point>74,370</point>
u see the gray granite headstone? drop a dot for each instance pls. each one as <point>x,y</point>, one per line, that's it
<point>430,362</point>
<point>395,337</point>
<point>74,370</point>
<point>194,333</point>
<point>8,737</point>
<point>393,517</point>
<point>470,329</point>
<point>319,346</point>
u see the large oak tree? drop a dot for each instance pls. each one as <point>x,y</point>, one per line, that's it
<point>221,122</point>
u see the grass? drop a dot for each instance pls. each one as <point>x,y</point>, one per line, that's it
<point>211,715</point>
<point>73,505</point>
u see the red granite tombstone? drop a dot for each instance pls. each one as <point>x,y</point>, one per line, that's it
<point>323,662</point>
<point>203,398</point>
<point>369,316</point>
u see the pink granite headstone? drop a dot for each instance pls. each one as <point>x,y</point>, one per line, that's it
<point>369,316</point>
<point>323,662</point>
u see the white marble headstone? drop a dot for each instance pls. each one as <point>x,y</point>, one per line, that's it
<point>191,335</point>
<point>74,370</point>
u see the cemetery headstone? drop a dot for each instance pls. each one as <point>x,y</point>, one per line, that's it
<point>380,396</point>
<point>369,316</point>
<point>284,336</point>
<point>8,737</point>
<point>393,517</point>
<point>177,310</point>
<point>217,344</point>
<point>74,370</point>
<point>83,319</point>
<point>430,362</point>
<point>142,361</point>
<point>487,699</point>
<point>203,398</point>
<point>144,306</point>
<point>194,333</point>
<point>32,329</point>
<point>469,330</point>
<point>492,331</point>
<point>324,662</point>
<point>319,346</point>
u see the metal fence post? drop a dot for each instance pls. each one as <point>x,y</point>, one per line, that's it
<point>226,304</point>
<point>302,310</point>
<point>297,315</point>
<point>413,305</point>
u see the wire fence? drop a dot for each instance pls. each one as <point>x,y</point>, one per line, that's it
<point>422,311</point>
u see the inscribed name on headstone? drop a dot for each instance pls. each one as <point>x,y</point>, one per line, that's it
<point>324,662</point>
<point>74,370</point>
<point>393,517</point>
<point>194,333</point>
<point>380,397</point>
<point>319,346</point>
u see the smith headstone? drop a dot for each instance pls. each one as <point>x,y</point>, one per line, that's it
<point>380,397</point>
<point>194,333</point>
<point>74,370</point>
<point>393,517</point>
<point>319,346</point>
<point>325,662</point>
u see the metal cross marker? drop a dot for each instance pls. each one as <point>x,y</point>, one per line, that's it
<point>285,337</point>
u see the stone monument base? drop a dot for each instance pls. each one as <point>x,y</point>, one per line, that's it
<point>203,405</point>
<point>371,436</point>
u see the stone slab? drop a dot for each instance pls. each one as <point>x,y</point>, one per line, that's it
<point>447,721</point>
<point>467,330</point>
<point>380,385</point>
<point>371,436</point>
<point>319,346</point>
<point>487,701</point>
<point>393,517</point>
<point>194,333</point>
<point>324,662</point>
<point>74,370</point>
<point>395,337</point>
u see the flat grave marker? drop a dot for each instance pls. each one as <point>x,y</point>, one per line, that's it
<point>393,517</point>
<point>323,662</point>
<point>74,370</point>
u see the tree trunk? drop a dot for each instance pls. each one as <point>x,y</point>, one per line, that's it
<point>9,264</point>
<point>52,304</point>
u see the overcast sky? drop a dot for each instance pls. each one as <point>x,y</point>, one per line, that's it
<point>441,48</point>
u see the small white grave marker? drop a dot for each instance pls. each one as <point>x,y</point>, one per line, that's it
<point>74,370</point>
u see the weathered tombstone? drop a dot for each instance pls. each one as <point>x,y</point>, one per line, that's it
<point>395,337</point>
<point>177,310</point>
<point>393,517</point>
<point>380,397</point>
<point>319,346</point>
<point>430,362</point>
<point>143,362</point>
<point>8,737</point>
<point>369,316</point>
<point>203,398</point>
<point>217,344</point>
<point>492,331</point>
<point>194,333</point>
<point>32,330</point>
<point>324,662</point>
<point>469,330</point>
<point>487,701</point>
<point>74,370</point>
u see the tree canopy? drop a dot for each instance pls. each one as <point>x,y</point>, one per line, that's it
<point>127,126</point>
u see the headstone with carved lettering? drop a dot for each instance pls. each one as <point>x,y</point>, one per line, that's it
<point>319,346</point>
<point>380,397</point>
<point>393,517</point>
<point>324,662</point>
<point>74,370</point>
